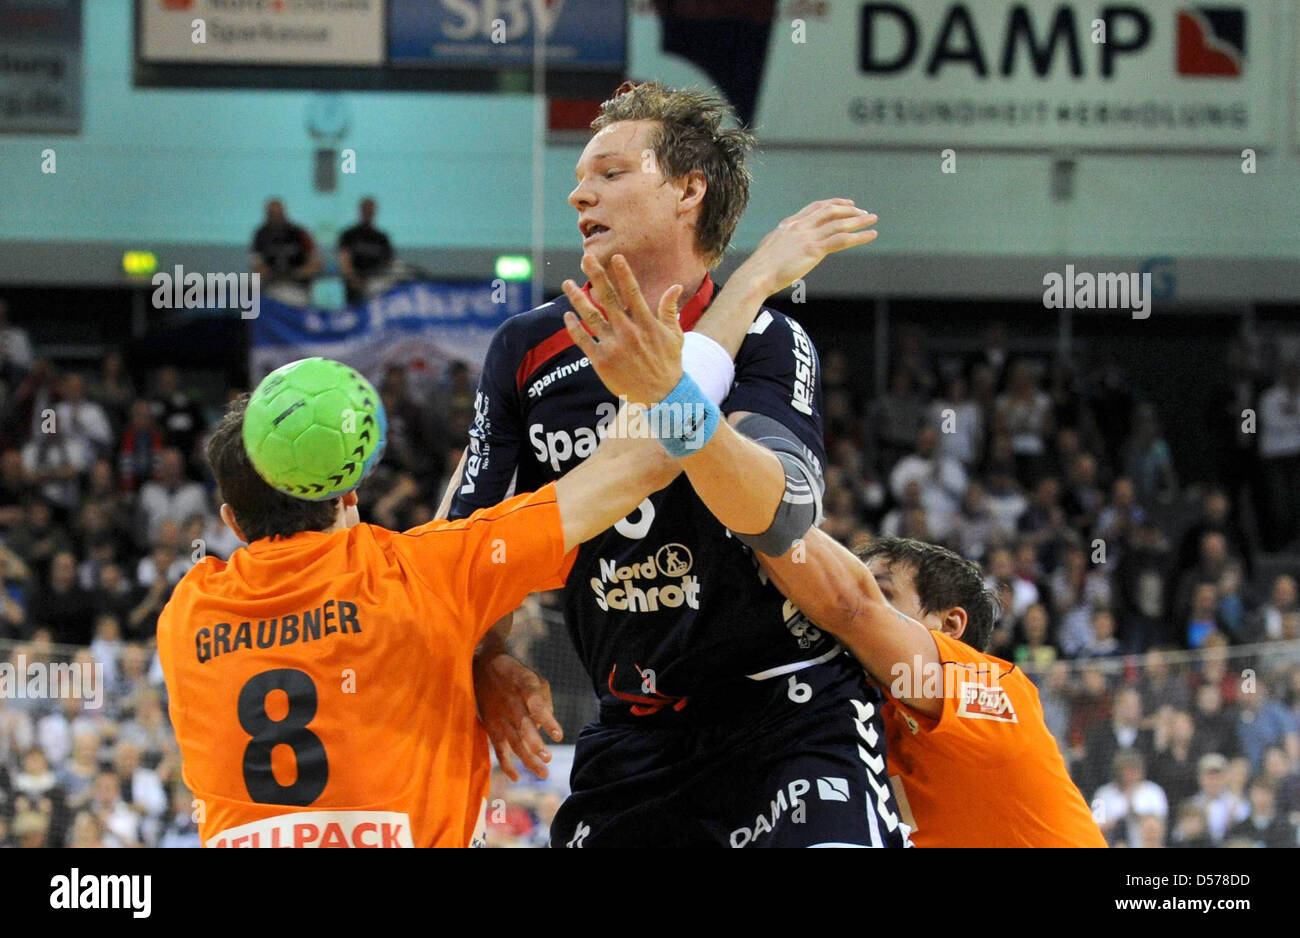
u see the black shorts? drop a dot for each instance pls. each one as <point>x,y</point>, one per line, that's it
<point>801,765</point>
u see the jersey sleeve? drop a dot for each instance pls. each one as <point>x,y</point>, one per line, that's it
<point>484,565</point>
<point>778,375</point>
<point>984,698</point>
<point>492,451</point>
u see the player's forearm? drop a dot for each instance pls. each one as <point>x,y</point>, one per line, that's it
<point>732,312</point>
<point>839,595</point>
<point>826,582</point>
<point>740,481</point>
<point>609,485</point>
<point>495,640</point>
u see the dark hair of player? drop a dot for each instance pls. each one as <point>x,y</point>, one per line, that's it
<point>943,580</point>
<point>691,138</point>
<point>259,510</point>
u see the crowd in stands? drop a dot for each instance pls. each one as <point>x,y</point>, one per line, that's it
<point>1167,663</point>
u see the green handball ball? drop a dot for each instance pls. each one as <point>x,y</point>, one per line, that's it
<point>314,429</point>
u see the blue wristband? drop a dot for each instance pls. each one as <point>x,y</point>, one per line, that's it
<point>685,420</point>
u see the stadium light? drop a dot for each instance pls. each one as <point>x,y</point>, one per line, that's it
<point>139,263</point>
<point>514,267</point>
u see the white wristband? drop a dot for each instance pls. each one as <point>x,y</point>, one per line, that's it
<point>709,366</point>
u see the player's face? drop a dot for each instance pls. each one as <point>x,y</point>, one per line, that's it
<point>897,582</point>
<point>624,205</point>
<point>898,585</point>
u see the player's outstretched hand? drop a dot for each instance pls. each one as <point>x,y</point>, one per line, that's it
<point>636,353</point>
<point>514,702</point>
<point>803,241</point>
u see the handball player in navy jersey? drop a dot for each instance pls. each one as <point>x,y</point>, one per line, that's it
<point>725,717</point>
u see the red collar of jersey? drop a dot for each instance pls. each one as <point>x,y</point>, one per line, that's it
<point>690,313</point>
<point>559,341</point>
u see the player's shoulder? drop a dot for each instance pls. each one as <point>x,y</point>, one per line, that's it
<point>373,538</point>
<point>956,653</point>
<point>775,333</point>
<point>189,589</point>
<point>1008,692</point>
<point>200,573</point>
<point>518,338</point>
<point>381,547</point>
<point>772,322</point>
<point>537,323</point>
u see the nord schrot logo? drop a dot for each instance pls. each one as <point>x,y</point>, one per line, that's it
<point>1212,41</point>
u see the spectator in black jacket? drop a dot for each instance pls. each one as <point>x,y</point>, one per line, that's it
<point>1216,725</point>
<point>63,605</point>
<point>1216,515</point>
<point>113,595</point>
<point>1123,732</point>
<point>364,252</point>
<point>1141,579</point>
<point>284,253</point>
<point>1174,767</point>
<point>177,414</point>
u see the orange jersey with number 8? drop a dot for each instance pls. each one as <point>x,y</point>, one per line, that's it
<point>320,685</point>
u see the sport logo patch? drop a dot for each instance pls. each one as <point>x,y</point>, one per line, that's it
<point>833,788</point>
<point>1211,41</point>
<point>982,702</point>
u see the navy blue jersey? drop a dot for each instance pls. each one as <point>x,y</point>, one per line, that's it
<point>666,604</point>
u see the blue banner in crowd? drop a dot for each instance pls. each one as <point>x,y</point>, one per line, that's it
<point>421,327</point>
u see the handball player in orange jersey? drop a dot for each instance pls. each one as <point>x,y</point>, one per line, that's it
<point>320,681</point>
